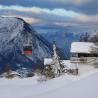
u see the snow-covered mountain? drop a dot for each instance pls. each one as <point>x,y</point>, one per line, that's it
<point>62,38</point>
<point>64,35</point>
<point>13,34</point>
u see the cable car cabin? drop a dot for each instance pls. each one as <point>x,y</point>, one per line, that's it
<point>27,49</point>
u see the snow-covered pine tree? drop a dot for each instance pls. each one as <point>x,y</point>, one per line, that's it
<point>57,67</point>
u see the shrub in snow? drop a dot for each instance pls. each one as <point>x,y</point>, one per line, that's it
<point>42,78</point>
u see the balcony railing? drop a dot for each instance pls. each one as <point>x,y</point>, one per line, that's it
<point>84,59</point>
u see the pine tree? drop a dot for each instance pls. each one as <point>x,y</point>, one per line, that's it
<point>57,67</point>
<point>48,72</point>
<point>84,37</point>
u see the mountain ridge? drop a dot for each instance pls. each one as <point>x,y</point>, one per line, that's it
<point>14,32</point>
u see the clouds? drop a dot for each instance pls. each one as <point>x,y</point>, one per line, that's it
<point>31,2</point>
<point>37,14</point>
<point>74,2</point>
<point>81,6</point>
<point>52,11</point>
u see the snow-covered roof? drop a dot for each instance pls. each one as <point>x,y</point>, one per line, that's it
<point>66,63</point>
<point>48,61</point>
<point>82,47</point>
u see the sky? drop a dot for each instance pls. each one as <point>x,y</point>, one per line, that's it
<point>58,12</point>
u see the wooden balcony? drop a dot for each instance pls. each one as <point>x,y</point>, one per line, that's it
<point>84,60</point>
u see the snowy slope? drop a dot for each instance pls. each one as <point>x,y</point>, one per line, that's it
<point>29,87</point>
<point>84,86</point>
<point>14,32</point>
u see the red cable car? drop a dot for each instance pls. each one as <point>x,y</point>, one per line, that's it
<point>27,49</point>
<point>27,46</point>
